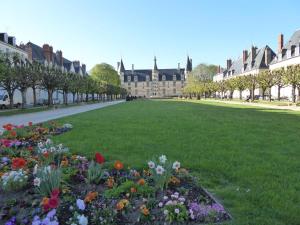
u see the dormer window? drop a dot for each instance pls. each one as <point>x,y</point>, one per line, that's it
<point>293,50</point>
<point>147,78</point>
<point>135,78</point>
<point>174,77</point>
<point>164,77</point>
<point>129,78</point>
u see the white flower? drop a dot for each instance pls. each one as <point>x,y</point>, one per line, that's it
<point>48,142</point>
<point>82,220</point>
<point>80,204</point>
<point>35,169</point>
<point>160,204</point>
<point>163,159</point>
<point>165,197</point>
<point>37,181</point>
<point>160,170</point>
<point>176,165</point>
<point>166,212</point>
<point>151,164</point>
<point>177,211</point>
<point>181,199</point>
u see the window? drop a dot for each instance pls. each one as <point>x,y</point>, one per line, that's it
<point>174,77</point>
<point>164,91</point>
<point>147,83</point>
<point>164,83</point>
<point>147,78</point>
<point>135,78</point>
<point>164,77</point>
<point>129,78</point>
<point>135,84</point>
<point>174,91</point>
<point>293,48</point>
<point>174,83</point>
<point>136,92</point>
<point>129,83</point>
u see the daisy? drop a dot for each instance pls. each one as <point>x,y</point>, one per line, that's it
<point>163,159</point>
<point>151,164</point>
<point>160,170</point>
<point>37,181</point>
<point>176,165</point>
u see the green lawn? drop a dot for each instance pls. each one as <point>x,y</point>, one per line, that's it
<point>248,157</point>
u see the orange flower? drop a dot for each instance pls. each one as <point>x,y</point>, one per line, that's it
<point>110,182</point>
<point>144,210</point>
<point>118,165</point>
<point>133,190</point>
<point>120,205</point>
<point>90,196</point>
<point>45,201</point>
<point>141,182</point>
<point>174,180</point>
<point>64,163</point>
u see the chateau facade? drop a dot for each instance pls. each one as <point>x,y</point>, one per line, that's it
<point>263,59</point>
<point>154,83</point>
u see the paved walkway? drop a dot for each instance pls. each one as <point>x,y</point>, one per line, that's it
<point>38,117</point>
<point>293,108</point>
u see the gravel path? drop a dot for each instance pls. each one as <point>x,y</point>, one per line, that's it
<point>38,117</point>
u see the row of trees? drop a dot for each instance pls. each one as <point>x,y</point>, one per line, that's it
<point>17,74</point>
<point>265,80</point>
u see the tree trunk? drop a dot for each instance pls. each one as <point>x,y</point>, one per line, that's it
<point>293,93</point>
<point>252,95</point>
<point>278,94</point>
<point>66,98</point>
<point>86,97</point>
<point>93,97</point>
<point>263,93</point>
<point>270,94</point>
<point>298,94</point>
<point>241,94</point>
<point>23,93</point>
<point>34,95</point>
<point>231,95</point>
<point>50,98</point>
<point>77,100</point>
<point>11,100</point>
<point>73,96</point>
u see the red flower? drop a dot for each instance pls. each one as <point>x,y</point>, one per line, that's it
<point>13,133</point>
<point>53,202</point>
<point>46,154</point>
<point>30,148</point>
<point>8,126</point>
<point>99,158</point>
<point>55,193</point>
<point>30,124</point>
<point>18,163</point>
<point>46,207</point>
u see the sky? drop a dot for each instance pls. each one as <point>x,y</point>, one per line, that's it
<point>96,31</point>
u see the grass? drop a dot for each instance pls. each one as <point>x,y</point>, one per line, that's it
<point>247,157</point>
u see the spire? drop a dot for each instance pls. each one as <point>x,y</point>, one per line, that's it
<point>122,68</point>
<point>155,65</point>
<point>189,65</point>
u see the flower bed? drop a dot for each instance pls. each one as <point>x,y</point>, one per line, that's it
<point>43,183</point>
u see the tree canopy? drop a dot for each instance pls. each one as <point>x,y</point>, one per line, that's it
<point>204,72</point>
<point>105,73</point>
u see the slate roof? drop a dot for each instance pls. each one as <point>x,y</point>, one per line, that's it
<point>294,41</point>
<point>238,67</point>
<point>142,74</point>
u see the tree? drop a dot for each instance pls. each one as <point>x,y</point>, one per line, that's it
<point>240,83</point>
<point>204,72</point>
<point>230,85</point>
<point>65,83</point>
<point>292,77</point>
<point>22,70</point>
<point>35,78</point>
<point>105,73</point>
<point>8,79</point>
<point>50,80</point>
<point>251,83</point>
<point>278,80</point>
<point>222,87</point>
<point>266,80</point>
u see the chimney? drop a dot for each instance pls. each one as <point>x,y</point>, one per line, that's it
<point>132,68</point>
<point>76,63</point>
<point>83,66</point>
<point>219,69</point>
<point>179,66</point>
<point>253,53</point>
<point>229,63</point>
<point>245,56</point>
<point>12,41</point>
<point>28,49</point>
<point>51,53</point>
<point>280,42</point>
<point>4,37</point>
<point>59,55</point>
<point>46,51</point>
<point>268,56</point>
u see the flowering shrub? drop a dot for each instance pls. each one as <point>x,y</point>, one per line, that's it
<point>162,171</point>
<point>13,180</point>
<point>61,188</point>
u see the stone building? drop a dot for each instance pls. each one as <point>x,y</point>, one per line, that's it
<point>156,82</point>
